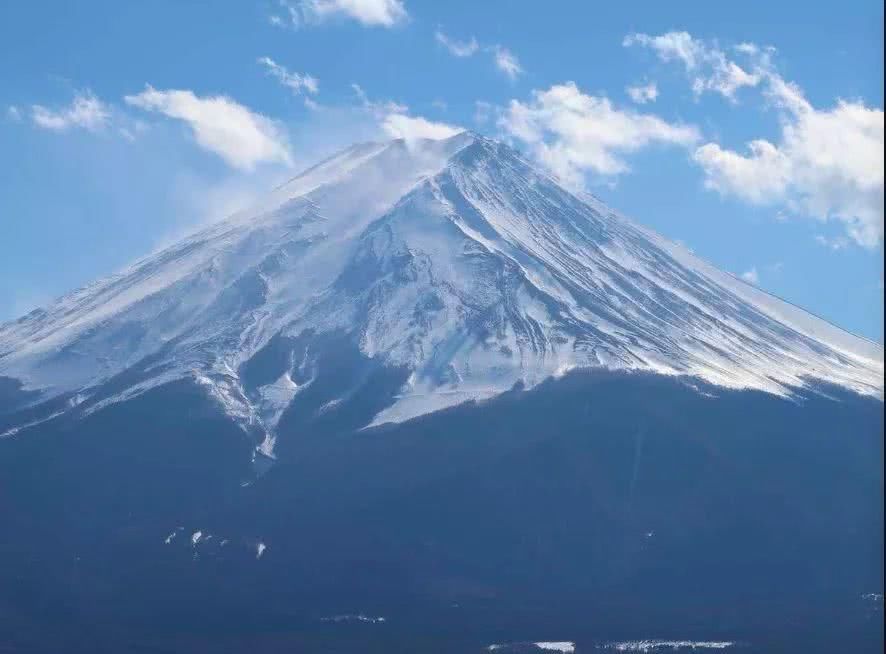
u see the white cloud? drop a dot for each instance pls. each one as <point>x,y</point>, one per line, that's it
<point>761,176</point>
<point>385,13</point>
<point>296,82</point>
<point>371,13</point>
<point>455,47</point>
<point>751,276</point>
<point>291,15</point>
<point>726,79</point>
<point>573,133</point>
<point>827,164</point>
<point>86,111</point>
<point>707,65</point>
<point>641,94</point>
<point>394,121</point>
<point>130,134</point>
<point>379,109</point>
<point>13,113</point>
<point>836,243</point>
<point>406,127</point>
<point>482,112</point>
<point>672,46</point>
<point>220,125</point>
<point>747,48</point>
<point>506,61</point>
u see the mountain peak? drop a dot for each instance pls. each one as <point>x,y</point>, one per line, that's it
<point>455,261</point>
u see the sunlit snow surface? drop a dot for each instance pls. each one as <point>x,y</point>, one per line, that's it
<point>455,259</point>
<point>564,647</point>
<point>350,618</point>
<point>561,646</point>
<point>659,646</point>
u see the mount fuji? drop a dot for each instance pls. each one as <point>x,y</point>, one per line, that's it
<point>454,261</point>
<point>424,380</point>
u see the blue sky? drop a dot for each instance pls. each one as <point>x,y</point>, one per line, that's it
<point>123,125</point>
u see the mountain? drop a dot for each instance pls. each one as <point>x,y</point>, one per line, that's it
<point>455,262</point>
<point>424,398</point>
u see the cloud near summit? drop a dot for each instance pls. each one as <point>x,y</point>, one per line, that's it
<point>574,133</point>
<point>241,137</point>
<point>827,163</point>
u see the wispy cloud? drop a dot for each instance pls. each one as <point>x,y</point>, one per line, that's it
<point>371,13</point>
<point>827,163</point>
<point>483,112</point>
<point>835,243</point>
<point>573,133</point>
<point>455,47</point>
<point>507,62</point>
<point>379,108</point>
<point>240,136</point>
<point>86,111</point>
<point>394,120</point>
<point>296,82</point>
<point>287,15</point>
<point>709,68</point>
<point>751,276</point>
<point>503,59</point>
<point>410,128</point>
<point>643,93</point>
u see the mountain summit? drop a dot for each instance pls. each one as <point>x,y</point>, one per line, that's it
<point>241,439</point>
<point>455,263</point>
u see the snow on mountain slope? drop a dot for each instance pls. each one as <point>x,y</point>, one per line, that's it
<point>454,260</point>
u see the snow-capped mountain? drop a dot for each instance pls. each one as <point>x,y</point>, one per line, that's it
<point>137,416</point>
<point>454,261</point>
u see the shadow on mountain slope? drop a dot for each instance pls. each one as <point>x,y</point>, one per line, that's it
<point>593,507</point>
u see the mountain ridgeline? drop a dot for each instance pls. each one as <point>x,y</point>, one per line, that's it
<point>422,380</point>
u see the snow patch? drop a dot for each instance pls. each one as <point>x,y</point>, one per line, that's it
<point>359,617</point>
<point>563,646</point>
<point>668,645</point>
<point>33,423</point>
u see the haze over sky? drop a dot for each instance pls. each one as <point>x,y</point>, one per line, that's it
<point>752,131</point>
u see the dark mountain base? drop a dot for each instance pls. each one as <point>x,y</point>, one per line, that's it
<point>594,508</point>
